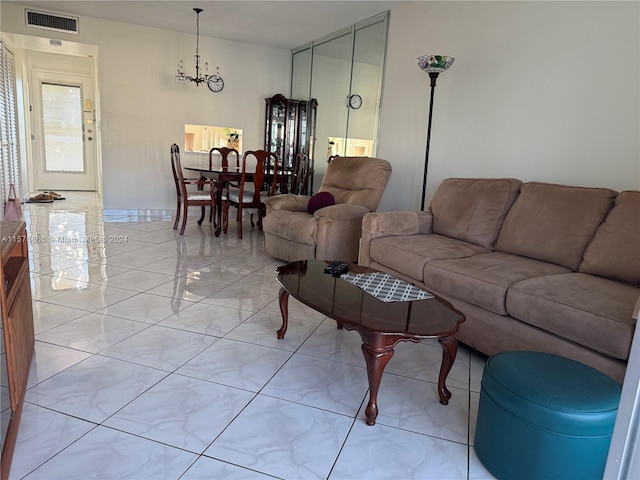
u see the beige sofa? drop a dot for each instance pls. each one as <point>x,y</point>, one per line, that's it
<point>533,266</point>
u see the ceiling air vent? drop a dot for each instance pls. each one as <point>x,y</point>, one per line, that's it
<point>51,21</point>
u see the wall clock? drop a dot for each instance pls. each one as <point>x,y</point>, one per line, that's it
<point>355,101</point>
<point>215,83</point>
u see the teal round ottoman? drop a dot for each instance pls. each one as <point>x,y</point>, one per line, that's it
<point>542,416</point>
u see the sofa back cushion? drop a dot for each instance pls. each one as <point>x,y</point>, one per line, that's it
<point>357,180</point>
<point>614,252</point>
<point>554,223</point>
<point>473,209</point>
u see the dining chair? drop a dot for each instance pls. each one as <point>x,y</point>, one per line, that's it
<point>225,154</point>
<point>186,198</point>
<point>300,174</point>
<point>250,195</point>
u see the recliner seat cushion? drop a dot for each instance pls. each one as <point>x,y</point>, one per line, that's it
<point>614,251</point>
<point>554,223</point>
<point>409,253</point>
<point>473,209</point>
<point>483,280</point>
<point>300,227</point>
<point>591,311</point>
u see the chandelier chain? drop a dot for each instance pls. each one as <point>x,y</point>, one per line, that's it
<point>198,78</point>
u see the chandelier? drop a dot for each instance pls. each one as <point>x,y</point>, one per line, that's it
<point>215,81</point>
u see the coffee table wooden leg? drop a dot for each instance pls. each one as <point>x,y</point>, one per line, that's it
<point>449,351</point>
<point>376,360</point>
<point>283,296</point>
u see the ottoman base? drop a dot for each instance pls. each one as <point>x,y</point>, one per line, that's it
<point>521,450</point>
<point>542,416</point>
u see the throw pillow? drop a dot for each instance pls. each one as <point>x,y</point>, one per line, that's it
<point>320,200</point>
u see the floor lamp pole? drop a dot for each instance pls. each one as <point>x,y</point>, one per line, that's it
<point>433,76</point>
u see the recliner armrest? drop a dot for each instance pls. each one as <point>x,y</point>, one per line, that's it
<point>342,212</point>
<point>287,201</point>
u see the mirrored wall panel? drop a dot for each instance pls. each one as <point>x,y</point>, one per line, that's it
<point>343,72</point>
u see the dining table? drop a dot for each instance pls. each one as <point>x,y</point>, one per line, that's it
<point>223,176</point>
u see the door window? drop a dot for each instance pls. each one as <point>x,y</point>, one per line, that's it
<point>62,123</point>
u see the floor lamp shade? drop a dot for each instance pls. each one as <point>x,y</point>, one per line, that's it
<point>433,65</point>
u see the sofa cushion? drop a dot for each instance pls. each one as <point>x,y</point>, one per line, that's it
<point>300,227</point>
<point>483,280</point>
<point>473,209</point>
<point>614,251</point>
<point>592,311</point>
<point>409,253</point>
<point>554,223</point>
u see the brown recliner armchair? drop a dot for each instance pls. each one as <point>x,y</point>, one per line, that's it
<point>333,232</point>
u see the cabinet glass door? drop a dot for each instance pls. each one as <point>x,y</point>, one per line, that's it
<point>276,129</point>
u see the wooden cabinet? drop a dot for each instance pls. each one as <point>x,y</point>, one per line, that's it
<point>291,129</point>
<point>17,326</point>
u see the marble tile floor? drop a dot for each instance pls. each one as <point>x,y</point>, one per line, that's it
<point>156,358</point>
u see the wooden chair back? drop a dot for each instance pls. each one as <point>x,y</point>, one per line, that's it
<point>224,153</point>
<point>178,175</point>
<point>300,175</point>
<point>264,162</point>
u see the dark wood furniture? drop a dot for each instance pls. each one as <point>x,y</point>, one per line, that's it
<point>300,177</point>
<point>290,129</point>
<point>225,153</point>
<point>184,198</point>
<point>250,195</point>
<point>380,325</point>
<point>227,176</point>
<point>17,326</point>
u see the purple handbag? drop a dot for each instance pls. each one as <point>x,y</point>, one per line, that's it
<point>12,208</point>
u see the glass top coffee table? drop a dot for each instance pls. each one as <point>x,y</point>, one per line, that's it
<point>381,325</point>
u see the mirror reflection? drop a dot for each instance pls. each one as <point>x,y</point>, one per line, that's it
<point>301,74</point>
<point>343,71</point>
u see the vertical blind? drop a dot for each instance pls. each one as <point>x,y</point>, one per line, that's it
<point>10,167</point>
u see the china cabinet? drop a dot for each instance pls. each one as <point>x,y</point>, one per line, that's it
<point>290,129</point>
<point>17,327</point>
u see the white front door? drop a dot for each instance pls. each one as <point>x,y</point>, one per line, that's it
<point>64,131</point>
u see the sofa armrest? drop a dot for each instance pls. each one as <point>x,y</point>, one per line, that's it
<point>287,201</point>
<point>386,224</point>
<point>341,212</point>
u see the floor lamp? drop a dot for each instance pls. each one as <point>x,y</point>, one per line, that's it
<point>433,65</point>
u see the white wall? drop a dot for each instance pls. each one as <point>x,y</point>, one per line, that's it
<point>541,91</point>
<point>143,111</point>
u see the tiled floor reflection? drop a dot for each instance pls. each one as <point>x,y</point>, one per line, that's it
<point>156,358</point>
